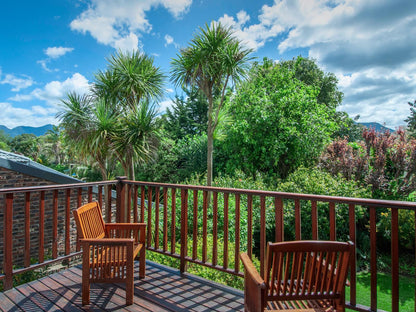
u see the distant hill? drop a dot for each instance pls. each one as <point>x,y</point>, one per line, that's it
<point>375,125</point>
<point>38,131</point>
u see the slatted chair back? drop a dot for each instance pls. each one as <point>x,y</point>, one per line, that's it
<point>89,220</point>
<point>307,270</point>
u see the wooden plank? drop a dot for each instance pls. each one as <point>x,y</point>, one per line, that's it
<point>250,225</point>
<point>173,223</point>
<point>225,253</point>
<point>314,216</point>
<point>40,301</point>
<point>262,235</point>
<point>353,258</point>
<point>27,229</point>
<point>157,192</point>
<point>204,225</point>
<point>279,216</point>
<point>215,228</point>
<point>7,304</point>
<point>237,234</point>
<point>55,225</point>
<point>298,223</point>
<point>395,260</point>
<point>332,222</point>
<point>195,227</point>
<point>373,258</point>
<point>184,229</point>
<point>67,222</point>
<point>149,217</point>
<point>42,227</point>
<point>165,219</point>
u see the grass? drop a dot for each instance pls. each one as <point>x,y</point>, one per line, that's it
<point>406,291</point>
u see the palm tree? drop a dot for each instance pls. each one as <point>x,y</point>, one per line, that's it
<point>213,59</point>
<point>116,120</point>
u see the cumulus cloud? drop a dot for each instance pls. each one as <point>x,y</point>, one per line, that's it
<point>54,91</point>
<point>368,44</point>
<point>34,116</point>
<point>120,23</point>
<point>164,105</point>
<point>17,83</point>
<point>55,52</point>
<point>169,40</point>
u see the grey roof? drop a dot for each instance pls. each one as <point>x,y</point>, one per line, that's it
<point>27,166</point>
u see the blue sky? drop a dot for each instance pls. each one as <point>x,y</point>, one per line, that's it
<point>50,47</point>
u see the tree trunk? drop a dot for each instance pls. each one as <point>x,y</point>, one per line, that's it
<point>210,141</point>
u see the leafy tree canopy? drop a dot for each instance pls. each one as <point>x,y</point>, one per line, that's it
<point>188,115</point>
<point>278,123</point>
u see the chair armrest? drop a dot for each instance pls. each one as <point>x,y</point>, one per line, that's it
<point>251,270</point>
<point>254,286</point>
<point>107,241</point>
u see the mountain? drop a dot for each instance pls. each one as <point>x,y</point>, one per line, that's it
<point>376,126</point>
<point>38,131</point>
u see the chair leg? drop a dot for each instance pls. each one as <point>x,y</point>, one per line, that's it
<point>85,278</point>
<point>130,282</point>
<point>142,264</point>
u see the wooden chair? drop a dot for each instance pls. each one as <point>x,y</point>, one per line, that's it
<point>108,250</point>
<point>300,275</point>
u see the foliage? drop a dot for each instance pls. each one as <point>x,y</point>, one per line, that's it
<point>348,128</point>
<point>406,291</point>
<point>187,116</point>
<point>25,144</point>
<point>385,161</point>
<point>117,121</point>
<point>202,271</point>
<point>213,59</point>
<point>278,124</point>
<point>307,71</point>
<point>315,181</point>
<point>4,141</point>
<point>411,120</point>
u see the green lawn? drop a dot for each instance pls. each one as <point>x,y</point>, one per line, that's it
<point>406,291</point>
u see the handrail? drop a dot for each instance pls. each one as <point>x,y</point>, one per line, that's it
<point>183,219</point>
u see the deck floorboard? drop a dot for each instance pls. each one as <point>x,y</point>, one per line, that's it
<point>163,289</point>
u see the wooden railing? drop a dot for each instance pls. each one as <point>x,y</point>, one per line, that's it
<point>207,226</point>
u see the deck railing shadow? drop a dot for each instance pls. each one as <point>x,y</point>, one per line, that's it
<point>39,231</point>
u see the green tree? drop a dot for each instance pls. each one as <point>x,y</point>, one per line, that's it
<point>117,120</point>
<point>187,116</point>
<point>4,141</point>
<point>213,59</point>
<point>411,120</point>
<point>278,124</point>
<point>307,71</point>
<point>26,144</point>
<point>129,84</point>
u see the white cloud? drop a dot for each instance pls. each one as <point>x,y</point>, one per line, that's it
<point>34,116</point>
<point>169,40</point>
<point>54,91</point>
<point>17,83</point>
<point>164,105</point>
<point>368,44</point>
<point>120,23</point>
<point>55,52</point>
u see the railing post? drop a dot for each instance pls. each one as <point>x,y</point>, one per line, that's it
<point>8,243</point>
<point>121,200</point>
<point>184,229</point>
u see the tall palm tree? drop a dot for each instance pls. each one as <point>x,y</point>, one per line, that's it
<point>213,59</point>
<point>116,120</point>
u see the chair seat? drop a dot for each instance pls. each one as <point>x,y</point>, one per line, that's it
<point>301,305</point>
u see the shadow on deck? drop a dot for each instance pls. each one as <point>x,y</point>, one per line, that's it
<point>163,289</point>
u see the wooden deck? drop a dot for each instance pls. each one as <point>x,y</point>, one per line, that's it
<point>163,289</point>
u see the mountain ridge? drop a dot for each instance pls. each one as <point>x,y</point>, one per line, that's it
<point>38,131</point>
